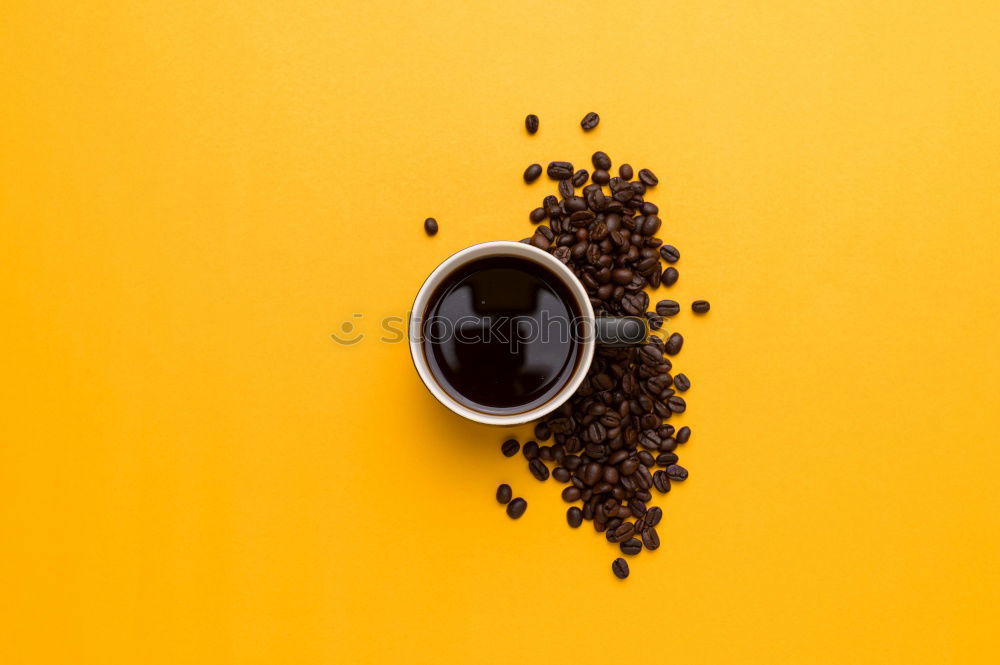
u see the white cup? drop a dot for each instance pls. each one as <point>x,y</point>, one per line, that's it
<point>610,331</point>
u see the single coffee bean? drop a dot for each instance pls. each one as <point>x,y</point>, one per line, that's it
<point>666,459</point>
<point>560,170</point>
<point>624,531</point>
<point>561,474</point>
<point>545,453</point>
<point>574,517</point>
<point>571,494</point>
<point>651,539</point>
<point>590,121</point>
<point>530,450</point>
<point>516,508</point>
<point>683,434</point>
<point>670,276</point>
<point>668,308</point>
<point>670,254</point>
<point>537,215</point>
<point>531,123</point>
<point>510,447</point>
<point>625,171</point>
<point>430,226</point>
<point>631,546</point>
<point>601,161</point>
<point>700,306</point>
<point>532,172</point>
<point>682,383</point>
<point>673,344</point>
<point>661,482</point>
<point>676,403</point>
<point>565,188</point>
<point>648,178</point>
<point>653,516</point>
<point>580,178</point>
<point>542,431</point>
<point>677,472</point>
<point>538,469</point>
<point>503,493</point>
<point>601,177</point>
<point>620,568</point>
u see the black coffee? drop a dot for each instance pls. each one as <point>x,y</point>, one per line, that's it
<point>501,335</point>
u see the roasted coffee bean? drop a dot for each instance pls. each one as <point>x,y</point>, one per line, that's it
<point>648,178</point>
<point>628,467</point>
<point>592,473</point>
<point>624,531</point>
<point>537,215</point>
<point>516,508</point>
<point>620,568</point>
<point>560,170</point>
<point>503,493</point>
<point>670,253</point>
<point>700,306</point>
<point>653,516</point>
<point>676,403</point>
<point>668,444</point>
<point>631,546</point>
<point>668,308</point>
<point>561,474</point>
<point>650,539</point>
<point>681,382</point>
<point>625,171</point>
<point>530,450</point>
<point>661,482</point>
<point>580,178</point>
<point>655,320</point>
<point>673,344</point>
<point>430,226</point>
<point>670,276</point>
<point>532,172</point>
<point>600,160</point>
<point>538,469</point>
<point>510,447</point>
<point>637,507</point>
<point>666,459</point>
<point>683,434</point>
<point>565,188</point>
<point>571,494</point>
<point>574,517</point>
<point>677,472</point>
<point>531,123</point>
<point>590,121</point>
<point>601,177</point>
<point>545,453</point>
<point>543,432</point>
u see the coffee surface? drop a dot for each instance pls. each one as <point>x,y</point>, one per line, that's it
<point>498,335</point>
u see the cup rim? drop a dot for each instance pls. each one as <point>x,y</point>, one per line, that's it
<point>501,248</point>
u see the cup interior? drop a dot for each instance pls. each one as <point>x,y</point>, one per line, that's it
<point>502,249</point>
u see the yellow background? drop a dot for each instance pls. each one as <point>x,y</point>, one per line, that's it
<point>194,196</point>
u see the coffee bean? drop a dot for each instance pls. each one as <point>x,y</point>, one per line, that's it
<point>537,215</point>
<point>565,188</point>
<point>503,493</point>
<point>624,531</point>
<point>591,473</point>
<point>677,473</point>
<point>700,306</point>
<point>545,453</point>
<point>648,178</point>
<point>560,170</point>
<point>661,482</point>
<point>590,121</point>
<point>532,172</point>
<point>632,546</point>
<point>625,171</point>
<point>673,344</point>
<point>516,508</point>
<point>670,276</point>
<point>538,469</point>
<point>561,474</point>
<point>430,226</point>
<point>580,178</point>
<point>620,568</point>
<point>601,161</point>
<point>510,447</point>
<point>650,539</point>
<point>531,123</point>
<point>683,434</point>
<point>653,516</point>
<point>530,450</point>
<point>571,494</point>
<point>574,516</point>
<point>681,382</point>
<point>601,177</point>
<point>542,431</point>
<point>666,459</point>
<point>676,404</point>
<point>670,253</point>
<point>668,308</point>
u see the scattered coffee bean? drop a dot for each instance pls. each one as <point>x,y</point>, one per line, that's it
<point>673,344</point>
<point>661,482</point>
<point>580,178</point>
<point>590,121</point>
<point>653,516</point>
<point>601,161</point>
<point>683,434</point>
<point>538,469</point>
<point>625,171</point>
<point>574,517</point>
<point>677,472</point>
<point>701,306</point>
<point>561,474</point>
<point>510,447</point>
<point>566,188</point>
<point>650,539</point>
<point>503,493</point>
<point>682,383</point>
<point>668,308</point>
<point>632,546</point>
<point>531,123</point>
<point>516,507</point>
<point>560,170</point>
<point>648,178</point>
<point>670,276</point>
<point>537,215</point>
<point>430,226</point>
<point>676,403</point>
<point>620,568</point>
<point>532,172</point>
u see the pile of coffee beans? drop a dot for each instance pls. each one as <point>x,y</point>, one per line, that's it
<point>610,444</point>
